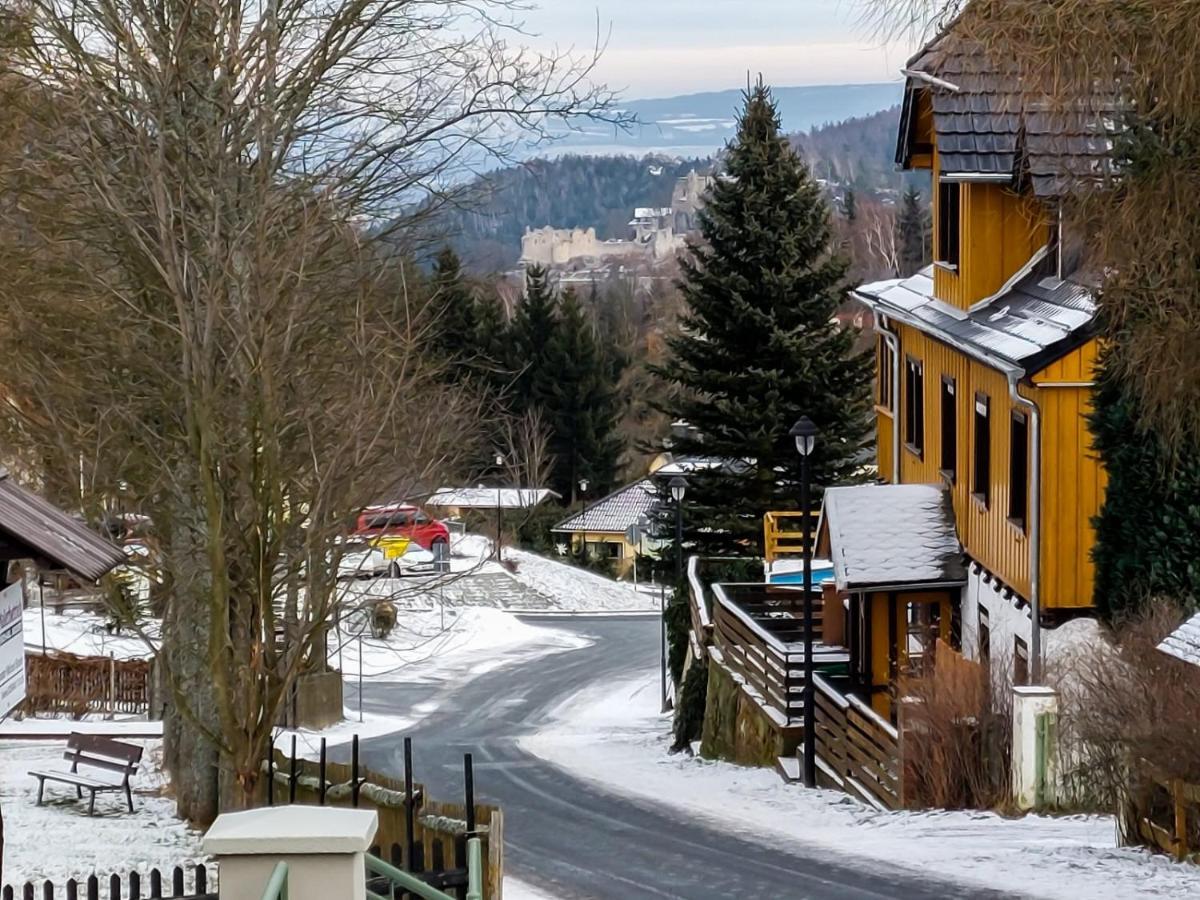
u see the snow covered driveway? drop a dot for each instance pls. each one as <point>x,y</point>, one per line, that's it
<point>614,735</point>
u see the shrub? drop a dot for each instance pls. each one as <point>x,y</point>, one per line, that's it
<point>689,708</point>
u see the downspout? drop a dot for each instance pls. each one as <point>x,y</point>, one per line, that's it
<point>1035,520</point>
<point>893,343</point>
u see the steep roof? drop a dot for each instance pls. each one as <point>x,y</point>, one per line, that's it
<point>45,532</point>
<point>1030,323</point>
<point>891,536</point>
<point>490,498</point>
<point>1184,642</point>
<point>991,124</point>
<point>616,512</point>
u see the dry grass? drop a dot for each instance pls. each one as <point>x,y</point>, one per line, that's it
<point>957,736</point>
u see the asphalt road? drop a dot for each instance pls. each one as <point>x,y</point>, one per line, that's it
<point>576,840</point>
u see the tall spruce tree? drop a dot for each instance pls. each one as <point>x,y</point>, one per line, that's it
<point>912,234</point>
<point>533,326</point>
<point>1148,531</point>
<point>453,306</point>
<point>759,346</point>
<point>581,404</point>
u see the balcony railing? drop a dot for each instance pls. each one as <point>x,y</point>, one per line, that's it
<point>783,534</point>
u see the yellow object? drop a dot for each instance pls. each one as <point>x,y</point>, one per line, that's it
<point>394,547</point>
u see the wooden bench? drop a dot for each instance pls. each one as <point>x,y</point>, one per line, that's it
<point>95,752</point>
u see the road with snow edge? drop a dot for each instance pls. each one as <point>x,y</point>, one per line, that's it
<point>570,837</point>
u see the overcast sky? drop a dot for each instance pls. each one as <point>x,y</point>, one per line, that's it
<point>658,48</point>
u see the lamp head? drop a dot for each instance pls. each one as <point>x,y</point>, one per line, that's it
<point>805,434</point>
<point>678,486</point>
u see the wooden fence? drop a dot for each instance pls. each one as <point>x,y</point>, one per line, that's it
<point>416,833</point>
<point>64,683</point>
<point>757,632</point>
<point>1166,816</point>
<point>132,886</point>
<point>858,751</point>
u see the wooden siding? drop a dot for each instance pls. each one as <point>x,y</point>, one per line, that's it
<point>985,532</point>
<point>885,428</point>
<point>1000,232</point>
<point>1072,481</point>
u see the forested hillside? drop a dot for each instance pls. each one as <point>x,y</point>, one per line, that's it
<point>601,191</point>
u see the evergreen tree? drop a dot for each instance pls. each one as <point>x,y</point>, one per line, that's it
<point>850,205</point>
<point>581,405</point>
<point>453,306</point>
<point>912,233</point>
<point>533,326</point>
<point>1148,531</point>
<point>759,347</point>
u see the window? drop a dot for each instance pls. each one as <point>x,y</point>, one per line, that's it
<point>1020,661</point>
<point>883,375</point>
<point>982,476</point>
<point>914,405</point>
<point>1018,470</point>
<point>949,204</point>
<point>949,463</point>
<point>985,636</point>
<point>603,550</point>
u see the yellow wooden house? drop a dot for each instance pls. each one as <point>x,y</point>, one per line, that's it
<point>985,361</point>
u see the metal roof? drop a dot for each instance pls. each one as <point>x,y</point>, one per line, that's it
<point>48,533</point>
<point>892,535</point>
<point>490,498</point>
<point>991,124</point>
<point>1020,330</point>
<point>1184,642</point>
<point>616,512</point>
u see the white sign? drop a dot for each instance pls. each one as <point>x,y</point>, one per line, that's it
<point>12,649</point>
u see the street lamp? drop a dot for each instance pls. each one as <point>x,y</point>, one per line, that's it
<point>678,486</point>
<point>499,507</point>
<point>805,433</point>
<point>583,486</point>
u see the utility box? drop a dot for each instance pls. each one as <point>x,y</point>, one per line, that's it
<point>1035,770</point>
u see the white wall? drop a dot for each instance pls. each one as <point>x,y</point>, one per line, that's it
<point>1005,622</point>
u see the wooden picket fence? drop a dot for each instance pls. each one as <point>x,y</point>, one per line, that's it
<point>63,683</point>
<point>1166,816</point>
<point>131,886</point>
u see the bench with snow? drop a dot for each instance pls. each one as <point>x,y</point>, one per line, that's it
<point>94,752</point>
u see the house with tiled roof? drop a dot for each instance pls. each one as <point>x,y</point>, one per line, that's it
<point>984,363</point>
<point>602,528</point>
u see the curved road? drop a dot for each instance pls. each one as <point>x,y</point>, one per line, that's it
<point>572,838</point>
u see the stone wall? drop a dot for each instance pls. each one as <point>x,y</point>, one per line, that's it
<point>737,729</point>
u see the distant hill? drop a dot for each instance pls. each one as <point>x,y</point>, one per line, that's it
<point>575,191</point>
<point>701,124</point>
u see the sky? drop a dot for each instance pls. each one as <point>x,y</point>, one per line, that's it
<point>660,48</point>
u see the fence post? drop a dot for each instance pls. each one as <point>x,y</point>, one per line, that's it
<point>271,771</point>
<point>292,774</point>
<point>112,685</point>
<point>321,791</point>
<point>1181,830</point>
<point>354,785</point>
<point>469,792</point>
<point>410,823</point>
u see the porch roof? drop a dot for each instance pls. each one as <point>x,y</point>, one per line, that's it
<point>891,536</point>
<point>1184,642</point>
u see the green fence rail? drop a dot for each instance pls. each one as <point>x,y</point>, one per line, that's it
<point>406,881</point>
<point>277,884</point>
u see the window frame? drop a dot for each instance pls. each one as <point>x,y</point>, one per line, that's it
<point>885,390</point>
<point>981,450</point>
<point>914,406</point>
<point>1018,470</point>
<point>949,236</point>
<point>1020,661</point>
<point>948,400</point>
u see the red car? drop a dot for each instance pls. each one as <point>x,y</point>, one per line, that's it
<point>402,520</point>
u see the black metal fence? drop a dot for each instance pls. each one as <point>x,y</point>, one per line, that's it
<point>133,886</point>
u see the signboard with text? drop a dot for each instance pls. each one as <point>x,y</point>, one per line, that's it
<point>12,649</point>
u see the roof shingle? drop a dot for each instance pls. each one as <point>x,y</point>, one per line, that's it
<point>616,512</point>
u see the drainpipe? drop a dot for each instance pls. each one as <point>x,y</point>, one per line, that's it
<point>1035,519</point>
<point>893,342</point>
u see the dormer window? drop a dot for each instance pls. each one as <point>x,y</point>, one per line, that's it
<point>949,223</point>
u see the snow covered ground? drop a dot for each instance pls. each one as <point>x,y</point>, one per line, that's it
<point>83,633</point>
<point>578,590</point>
<point>58,840</point>
<point>618,729</point>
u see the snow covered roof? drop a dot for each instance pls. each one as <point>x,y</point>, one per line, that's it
<point>490,498</point>
<point>1184,642</point>
<point>1022,329</point>
<point>891,535</point>
<point>688,465</point>
<point>45,532</point>
<point>616,512</point>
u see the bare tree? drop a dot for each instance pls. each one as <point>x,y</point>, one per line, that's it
<point>202,314</point>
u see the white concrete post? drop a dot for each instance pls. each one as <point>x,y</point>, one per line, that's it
<point>1028,765</point>
<point>322,845</point>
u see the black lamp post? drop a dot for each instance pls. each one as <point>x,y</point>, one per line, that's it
<point>499,506</point>
<point>805,433</point>
<point>678,486</point>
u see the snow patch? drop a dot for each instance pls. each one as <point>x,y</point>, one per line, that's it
<point>577,590</point>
